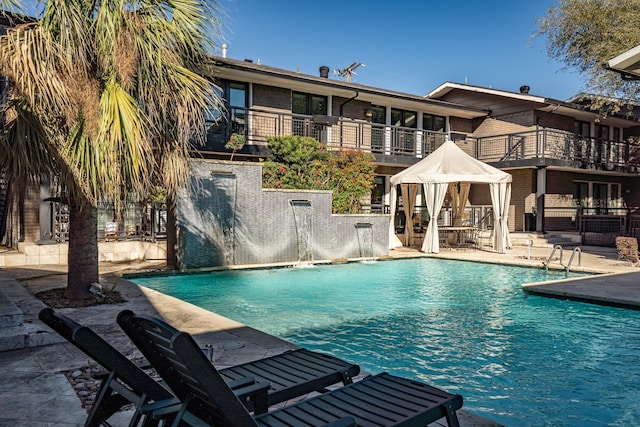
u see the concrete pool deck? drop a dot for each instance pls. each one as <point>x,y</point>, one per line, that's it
<point>34,390</point>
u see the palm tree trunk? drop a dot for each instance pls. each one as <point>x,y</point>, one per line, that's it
<point>83,251</point>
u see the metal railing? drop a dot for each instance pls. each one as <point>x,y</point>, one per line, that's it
<point>140,219</point>
<point>579,151</point>
<point>479,216</point>
<point>598,226</point>
<point>258,125</point>
<point>559,145</point>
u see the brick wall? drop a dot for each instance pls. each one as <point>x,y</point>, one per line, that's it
<point>520,118</point>
<point>353,109</point>
<point>458,124</point>
<point>271,97</point>
<point>522,196</point>
<point>32,213</point>
<point>493,126</point>
<point>556,121</point>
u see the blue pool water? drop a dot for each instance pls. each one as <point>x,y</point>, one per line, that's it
<point>465,327</point>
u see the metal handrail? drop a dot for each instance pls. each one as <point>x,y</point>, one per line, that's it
<point>573,253</point>
<point>546,263</point>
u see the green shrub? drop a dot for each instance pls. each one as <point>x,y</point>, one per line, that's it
<point>303,163</point>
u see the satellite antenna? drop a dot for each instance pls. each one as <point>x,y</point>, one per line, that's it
<point>348,71</point>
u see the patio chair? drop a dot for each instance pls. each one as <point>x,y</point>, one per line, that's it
<point>206,399</point>
<point>291,374</point>
<point>122,384</point>
<point>111,231</point>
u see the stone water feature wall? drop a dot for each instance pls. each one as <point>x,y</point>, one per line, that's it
<point>226,218</point>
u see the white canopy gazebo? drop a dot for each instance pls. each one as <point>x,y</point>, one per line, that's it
<point>449,164</point>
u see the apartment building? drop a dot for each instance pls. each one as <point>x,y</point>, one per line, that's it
<point>573,169</point>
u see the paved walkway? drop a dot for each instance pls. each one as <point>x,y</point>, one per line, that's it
<point>35,392</point>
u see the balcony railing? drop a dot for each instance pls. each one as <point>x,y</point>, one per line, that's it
<point>258,125</point>
<point>580,151</point>
<point>542,144</point>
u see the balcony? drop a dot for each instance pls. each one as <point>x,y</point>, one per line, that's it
<point>542,147</point>
<point>336,133</point>
<point>558,148</point>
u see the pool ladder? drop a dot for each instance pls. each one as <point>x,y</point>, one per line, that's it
<point>568,266</point>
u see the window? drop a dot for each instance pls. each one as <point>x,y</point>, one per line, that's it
<point>308,104</point>
<point>403,118</point>
<point>378,114</point>
<point>433,122</point>
<point>378,191</point>
<point>602,131</point>
<point>597,197</point>
<point>235,97</point>
<point>378,118</point>
<point>582,128</point>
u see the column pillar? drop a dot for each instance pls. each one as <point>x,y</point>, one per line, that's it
<point>541,189</point>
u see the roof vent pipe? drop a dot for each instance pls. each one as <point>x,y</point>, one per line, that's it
<point>524,89</point>
<point>324,72</point>
<point>224,50</point>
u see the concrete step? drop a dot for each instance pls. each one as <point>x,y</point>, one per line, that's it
<point>19,323</point>
<point>548,240</point>
<point>13,338</point>
<point>10,315</point>
<point>562,241</point>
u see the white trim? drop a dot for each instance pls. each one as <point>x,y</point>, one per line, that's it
<point>627,62</point>
<point>447,87</point>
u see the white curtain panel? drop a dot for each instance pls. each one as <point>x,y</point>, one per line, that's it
<point>434,195</point>
<point>500,199</point>
<point>394,242</point>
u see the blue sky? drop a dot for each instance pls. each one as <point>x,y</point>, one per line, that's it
<point>407,46</point>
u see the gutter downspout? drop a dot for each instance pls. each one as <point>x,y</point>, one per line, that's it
<point>342,111</point>
<point>348,101</point>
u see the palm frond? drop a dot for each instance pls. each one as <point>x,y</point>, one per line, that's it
<point>125,135</point>
<point>25,152</point>
<point>189,26</point>
<point>69,22</point>
<point>16,6</point>
<point>37,66</point>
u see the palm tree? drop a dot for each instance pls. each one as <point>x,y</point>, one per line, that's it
<point>109,96</point>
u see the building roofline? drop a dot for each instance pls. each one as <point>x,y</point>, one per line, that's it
<point>447,87</point>
<point>248,66</point>
<point>627,64</point>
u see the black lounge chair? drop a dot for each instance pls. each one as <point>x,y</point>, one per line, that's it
<point>123,384</point>
<point>291,374</point>
<point>206,399</point>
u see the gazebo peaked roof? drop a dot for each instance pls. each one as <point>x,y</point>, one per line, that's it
<point>450,164</point>
<point>447,164</point>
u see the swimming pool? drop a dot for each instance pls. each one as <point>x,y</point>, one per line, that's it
<point>466,327</point>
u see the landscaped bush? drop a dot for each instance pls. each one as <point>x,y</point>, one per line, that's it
<point>627,248</point>
<point>303,163</point>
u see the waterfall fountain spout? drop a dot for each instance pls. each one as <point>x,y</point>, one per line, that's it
<point>302,215</point>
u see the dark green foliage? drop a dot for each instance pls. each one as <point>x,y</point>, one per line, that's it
<point>305,164</point>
